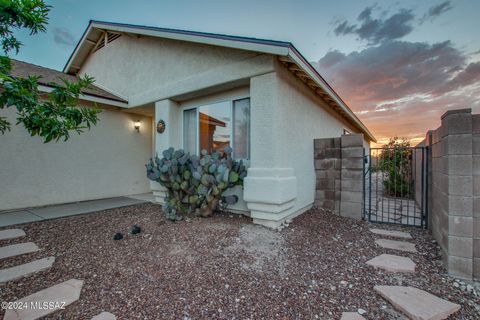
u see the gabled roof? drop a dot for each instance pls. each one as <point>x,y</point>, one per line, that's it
<point>49,77</point>
<point>286,52</point>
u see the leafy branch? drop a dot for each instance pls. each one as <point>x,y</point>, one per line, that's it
<point>51,116</point>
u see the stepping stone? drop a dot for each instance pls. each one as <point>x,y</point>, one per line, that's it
<point>104,316</point>
<point>11,233</point>
<point>390,233</point>
<point>392,263</point>
<point>60,295</point>
<point>417,304</point>
<point>396,245</point>
<point>351,316</point>
<point>26,269</point>
<point>17,249</point>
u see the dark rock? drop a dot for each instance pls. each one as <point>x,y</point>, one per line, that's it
<point>135,229</point>
<point>118,236</point>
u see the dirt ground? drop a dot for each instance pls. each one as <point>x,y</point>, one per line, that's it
<point>224,267</point>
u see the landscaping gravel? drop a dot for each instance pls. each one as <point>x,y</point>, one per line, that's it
<point>224,267</point>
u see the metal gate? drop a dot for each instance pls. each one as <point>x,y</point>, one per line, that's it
<point>395,186</point>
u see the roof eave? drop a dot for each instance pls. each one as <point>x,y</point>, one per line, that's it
<point>300,61</point>
<point>89,97</point>
<point>72,57</point>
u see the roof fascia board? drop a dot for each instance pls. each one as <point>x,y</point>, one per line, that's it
<point>301,62</point>
<point>204,39</point>
<point>89,97</point>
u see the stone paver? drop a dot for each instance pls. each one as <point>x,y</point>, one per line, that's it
<point>392,263</point>
<point>396,245</point>
<point>104,316</point>
<point>351,316</point>
<point>417,304</point>
<point>11,234</point>
<point>17,249</point>
<point>26,269</point>
<point>60,295</point>
<point>392,233</point>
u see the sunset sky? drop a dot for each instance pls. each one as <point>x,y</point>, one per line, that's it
<point>398,64</point>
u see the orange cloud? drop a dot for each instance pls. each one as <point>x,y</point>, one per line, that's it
<point>402,88</point>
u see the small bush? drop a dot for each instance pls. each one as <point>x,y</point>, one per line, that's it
<point>395,160</point>
<point>196,183</point>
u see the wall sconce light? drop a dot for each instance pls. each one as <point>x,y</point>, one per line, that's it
<point>136,125</point>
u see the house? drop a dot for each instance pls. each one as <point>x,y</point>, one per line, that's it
<point>261,97</point>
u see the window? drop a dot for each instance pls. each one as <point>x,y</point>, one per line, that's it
<point>241,128</point>
<point>218,125</point>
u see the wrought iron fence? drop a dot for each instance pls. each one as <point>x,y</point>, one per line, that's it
<point>395,185</point>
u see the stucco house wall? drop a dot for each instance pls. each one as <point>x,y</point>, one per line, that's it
<point>298,105</point>
<point>146,69</point>
<point>286,116</point>
<point>159,76</point>
<point>103,162</point>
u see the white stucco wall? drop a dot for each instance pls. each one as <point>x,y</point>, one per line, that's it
<point>298,105</point>
<point>106,161</point>
<point>285,114</point>
<point>286,117</point>
<point>148,69</point>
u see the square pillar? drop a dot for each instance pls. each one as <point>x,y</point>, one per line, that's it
<point>351,196</point>
<point>168,111</point>
<point>270,188</point>
<point>457,170</point>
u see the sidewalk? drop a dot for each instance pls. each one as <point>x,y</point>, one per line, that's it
<point>64,210</point>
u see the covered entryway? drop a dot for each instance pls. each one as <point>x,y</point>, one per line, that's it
<point>395,186</point>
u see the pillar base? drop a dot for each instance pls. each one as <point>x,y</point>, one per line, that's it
<point>159,192</point>
<point>270,194</point>
<point>274,221</point>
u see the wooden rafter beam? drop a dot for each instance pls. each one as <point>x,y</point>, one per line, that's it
<point>299,73</point>
<point>294,67</point>
<point>285,59</point>
<point>302,75</point>
<point>99,41</point>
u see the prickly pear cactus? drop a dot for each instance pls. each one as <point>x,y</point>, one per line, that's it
<point>194,182</point>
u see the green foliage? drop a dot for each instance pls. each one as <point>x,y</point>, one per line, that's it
<point>396,161</point>
<point>196,183</point>
<point>21,14</point>
<point>52,117</point>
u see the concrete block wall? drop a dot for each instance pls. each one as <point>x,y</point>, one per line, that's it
<point>327,153</point>
<point>339,170</point>
<point>476,193</point>
<point>455,191</point>
<point>352,176</point>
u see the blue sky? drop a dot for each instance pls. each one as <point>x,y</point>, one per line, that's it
<point>314,28</point>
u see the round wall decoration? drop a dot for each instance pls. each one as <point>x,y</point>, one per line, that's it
<point>160,126</point>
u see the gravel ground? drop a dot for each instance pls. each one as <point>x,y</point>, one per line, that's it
<point>224,267</point>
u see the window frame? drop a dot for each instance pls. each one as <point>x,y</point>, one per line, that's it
<point>232,138</point>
